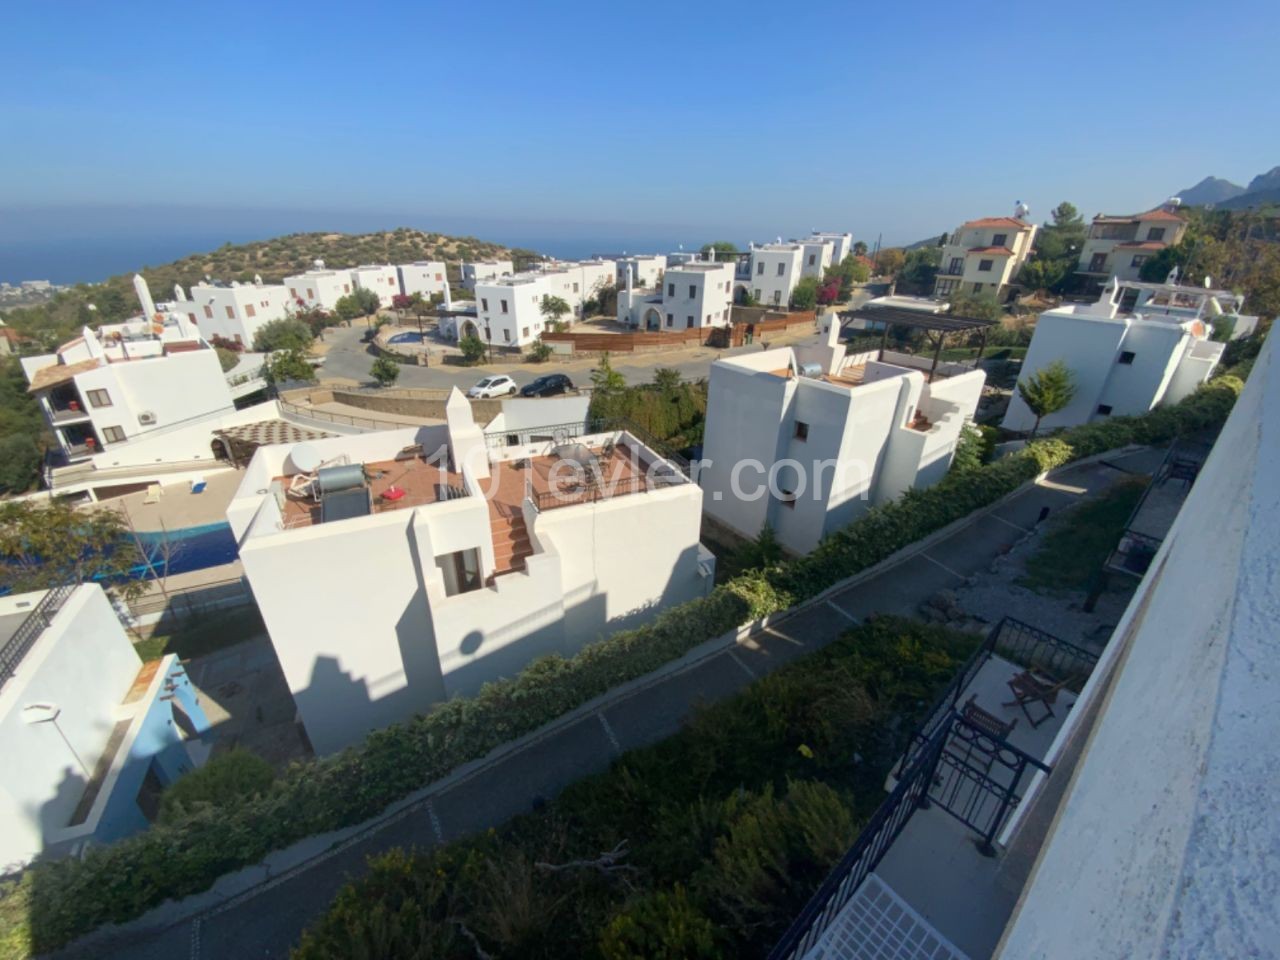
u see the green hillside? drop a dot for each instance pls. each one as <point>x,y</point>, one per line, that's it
<point>57,320</point>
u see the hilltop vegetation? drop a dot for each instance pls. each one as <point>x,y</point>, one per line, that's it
<point>51,323</point>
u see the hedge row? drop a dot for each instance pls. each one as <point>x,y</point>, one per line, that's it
<point>55,902</point>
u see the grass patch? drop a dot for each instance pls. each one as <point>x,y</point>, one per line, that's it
<point>729,826</point>
<point>203,634</point>
<point>1080,540</point>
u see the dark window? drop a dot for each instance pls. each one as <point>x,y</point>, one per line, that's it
<point>782,268</point>
<point>524,331</point>
<point>1156,234</point>
<point>113,434</point>
<point>985,265</point>
<point>802,430</point>
<point>1104,409</point>
<point>977,288</point>
<point>813,258</point>
<point>1126,357</point>
<point>1098,263</point>
<point>671,321</point>
<point>1139,260</point>
<point>99,398</point>
<point>461,571</point>
<point>688,322</point>
<point>484,303</point>
<point>671,289</point>
<point>759,269</point>
<point>693,291</point>
<point>1000,240</point>
<point>504,306</point>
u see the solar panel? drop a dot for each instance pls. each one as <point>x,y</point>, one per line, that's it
<point>344,505</point>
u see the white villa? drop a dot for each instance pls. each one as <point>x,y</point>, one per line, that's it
<point>396,569</point>
<point>841,244</point>
<point>645,270</point>
<point>817,255</point>
<point>696,293</point>
<point>473,273</point>
<point>1140,345</point>
<point>509,308</point>
<point>320,287</point>
<point>234,311</point>
<point>806,439</point>
<point>1118,246</point>
<point>91,734</point>
<point>985,256</point>
<point>775,270</point>
<point>426,277</point>
<point>382,278</point>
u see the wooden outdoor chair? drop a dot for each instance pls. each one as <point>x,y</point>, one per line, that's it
<point>1029,687</point>
<point>967,748</point>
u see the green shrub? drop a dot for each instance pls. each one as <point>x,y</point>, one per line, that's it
<point>660,926</point>
<point>225,782</point>
<point>118,882</point>
<point>473,349</point>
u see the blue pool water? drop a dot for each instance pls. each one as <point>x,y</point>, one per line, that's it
<point>405,338</point>
<point>191,548</point>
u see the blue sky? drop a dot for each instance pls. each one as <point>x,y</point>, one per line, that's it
<point>698,120</point>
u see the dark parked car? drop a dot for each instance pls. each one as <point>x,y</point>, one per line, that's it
<point>551,385</point>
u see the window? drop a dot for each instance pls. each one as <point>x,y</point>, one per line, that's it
<point>192,317</point>
<point>1126,357</point>
<point>484,303</point>
<point>777,297</point>
<point>813,258</point>
<point>438,278</point>
<point>310,295</point>
<point>693,291</point>
<point>506,336</point>
<point>346,288</point>
<point>782,268</point>
<point>99,398</point>
<point>231,313</point>
<point>504,306</point>
<point>524,331</point>
<point>671,289</point>
<point>461,570</point>
<point>1098,263</point>
<point>208,311</point>
<point>1139,260</point>
<point>293,293</point>
<point>1104,409</point>
<point>239,339</point>
<point>760,269</point>
<point>1000,240</point>
<point>977,288</point>
<point>1155,234</point>
<point>575,288</point>
<point>671,321</point>
<point>709,316</point>
<point>945,287</point>
<point>113,435</point>
<point>802,430</point>
<point>688,322</point>
<point>756,294</point>
<point>957,266</point>
<point>984,266</point>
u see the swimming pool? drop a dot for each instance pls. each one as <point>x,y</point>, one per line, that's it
<point>191,548</point>
<point>406,338</point>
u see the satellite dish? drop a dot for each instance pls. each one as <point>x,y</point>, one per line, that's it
<point>305,457</point>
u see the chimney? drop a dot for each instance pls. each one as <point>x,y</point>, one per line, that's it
<point>448,299</point>
<point>144,297</point>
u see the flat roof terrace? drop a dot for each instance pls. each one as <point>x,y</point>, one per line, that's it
<point>391,485</point>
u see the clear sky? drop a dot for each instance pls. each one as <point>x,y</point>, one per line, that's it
<point>702,120</point>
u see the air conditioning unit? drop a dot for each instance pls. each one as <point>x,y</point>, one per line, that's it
<point>147,418</point>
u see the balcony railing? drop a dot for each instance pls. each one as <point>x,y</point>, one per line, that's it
<point>29,631</point>
<point>560,433</point>
<point>603,489</point>
<point>68,414</point>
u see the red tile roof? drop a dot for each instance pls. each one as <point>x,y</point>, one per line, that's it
<point>999,251</point>
<point>1159,214</point>
<point>1011,222</point>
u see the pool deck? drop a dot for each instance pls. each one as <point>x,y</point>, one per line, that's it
<point>178,507</point>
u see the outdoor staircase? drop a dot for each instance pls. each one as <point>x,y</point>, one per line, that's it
<point>511,542</point>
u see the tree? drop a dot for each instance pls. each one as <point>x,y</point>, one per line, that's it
<point>473,349</point>
<point>667,379</point>
<point>52,544</point>
<point>553,308</point>
<point>890,261</point>
<point>829,292</point>
<point>403,302</point>
<point>539,352</point>
<point>1047,391</point>
<point>226,358</point>
<point>226,781</point>
<point>980,306</point>
<point>804,296</point>
<point>745,298</point>
<point>288,333</point>
<point>285,365</point>
<point>358,303</point>
<point>724,251</point>
<point>316,319</point>
<point>1058,246</point>
<point>860,249</point>
<point>918,270</point>
<point>606,380</point>
<point>385,370</point>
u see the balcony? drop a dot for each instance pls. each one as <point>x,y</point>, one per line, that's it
<point>936,861</point>
<point>69,414</point>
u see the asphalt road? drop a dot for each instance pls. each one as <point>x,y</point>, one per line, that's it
<point>267,920</point>
<point>350,359</point>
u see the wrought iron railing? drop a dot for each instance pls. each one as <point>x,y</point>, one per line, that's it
<point>566,432</point>
<point>603,489</point>
<point>29,630</point>
<point>909,795</point>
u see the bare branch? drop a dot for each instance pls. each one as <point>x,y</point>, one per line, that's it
<point>608,864</point>
<point>473,939</point>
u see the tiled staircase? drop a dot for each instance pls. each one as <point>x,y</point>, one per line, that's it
<point>510,542</point>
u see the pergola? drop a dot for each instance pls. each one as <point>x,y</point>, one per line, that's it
<point>932,323</point>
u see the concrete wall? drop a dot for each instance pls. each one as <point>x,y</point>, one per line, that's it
<point>424,276</point>
<point>383,279</point>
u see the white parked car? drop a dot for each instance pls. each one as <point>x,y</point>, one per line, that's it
<point>499,385</point>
